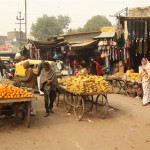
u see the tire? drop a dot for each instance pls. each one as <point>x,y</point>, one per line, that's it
<point>116,86</point>
<point>102,104</point>
<point>89,103</point>
<point>131,89</point>
<point>79,107</point>
<point>68,100</point>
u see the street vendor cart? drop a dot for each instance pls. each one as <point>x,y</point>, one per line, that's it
<point>84,102</point>
<point>21,107</point>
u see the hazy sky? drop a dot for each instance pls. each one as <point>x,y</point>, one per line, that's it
<point>79,10</point>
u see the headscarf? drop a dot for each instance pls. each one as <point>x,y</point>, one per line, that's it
<point>48,75</point>
<point>147,67</point>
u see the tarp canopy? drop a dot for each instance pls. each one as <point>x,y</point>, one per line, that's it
<point>47,45</point>
<point>84,45</point>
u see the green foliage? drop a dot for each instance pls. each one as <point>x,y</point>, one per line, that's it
<point>46,26</point>
<point>78,30</point>
<point>95,23</point>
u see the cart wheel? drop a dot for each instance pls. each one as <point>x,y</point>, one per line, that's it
<point>28,113</point>
<point>102,103</point>
<point>79,107</point>
<point>89,103</point>
<point>131,88</point>
<point>116,86</point>
<point>68,100</point>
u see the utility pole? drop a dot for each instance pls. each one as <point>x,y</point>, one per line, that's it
<point>20,23</point>
<point>26,19</point>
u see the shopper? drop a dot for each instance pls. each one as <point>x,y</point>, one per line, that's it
<point>49,85</point>
<point>92,67</point>
<point>146,81</point>
<point>83,69</point>
<point>29,81</point>
<point>2,69</point>
<point>98,68</point>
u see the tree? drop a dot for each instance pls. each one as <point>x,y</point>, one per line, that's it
<point>95,23</point>
<point>46,26</point>
<point>78,30</point>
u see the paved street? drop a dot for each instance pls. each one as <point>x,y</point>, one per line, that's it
<point>124,129</point>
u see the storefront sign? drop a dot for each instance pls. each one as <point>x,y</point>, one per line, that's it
<point>5,49</point>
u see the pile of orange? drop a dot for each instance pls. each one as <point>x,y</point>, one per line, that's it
<point>13,92</point>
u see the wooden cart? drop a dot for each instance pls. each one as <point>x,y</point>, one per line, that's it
<point>126,87</point>
<point>84,102</point>
<point>20,107</point>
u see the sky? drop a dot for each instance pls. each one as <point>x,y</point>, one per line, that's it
<point>78,10</point>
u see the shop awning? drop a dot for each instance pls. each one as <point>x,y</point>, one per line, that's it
<point>47,45</point>
<point>83,45</point>
<point>105,35</point>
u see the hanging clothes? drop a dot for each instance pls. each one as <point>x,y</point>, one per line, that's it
<point>129,29</point>
<point>145,34</point>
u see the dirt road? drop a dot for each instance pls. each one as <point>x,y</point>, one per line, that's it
<point>125,129</point>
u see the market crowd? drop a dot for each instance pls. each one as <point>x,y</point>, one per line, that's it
<point>47,83</point>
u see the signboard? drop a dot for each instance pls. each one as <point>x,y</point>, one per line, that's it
<point>5,49</point>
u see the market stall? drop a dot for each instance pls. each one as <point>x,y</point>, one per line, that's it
<point>15,101</point>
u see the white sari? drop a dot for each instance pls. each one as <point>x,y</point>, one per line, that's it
<point>146,83</point>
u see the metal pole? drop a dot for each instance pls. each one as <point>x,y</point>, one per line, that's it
<point>20,28</point>
<point>20,23</point>
<point>26,19</point>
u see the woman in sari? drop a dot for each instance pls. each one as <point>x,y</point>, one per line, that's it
<point>49,85</point>
<point>146,81</point>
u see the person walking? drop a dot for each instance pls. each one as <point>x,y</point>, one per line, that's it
<point>49,85</point>
<point>146,81</point>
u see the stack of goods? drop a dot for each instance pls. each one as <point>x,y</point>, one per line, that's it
<point>87,84</point>
<point>131,76</point>
<point>117,75</point>
<point>61,81</point>
<point>13,92</point>
<point>6,82</point>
